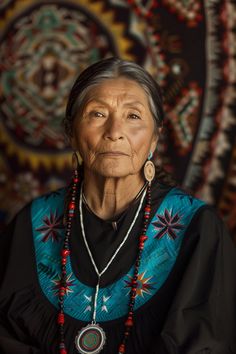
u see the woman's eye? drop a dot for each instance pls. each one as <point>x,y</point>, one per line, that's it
<point>96,114</point>
<point>134,116</point>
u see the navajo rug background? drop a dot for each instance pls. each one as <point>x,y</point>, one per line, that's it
<point>189,47</point>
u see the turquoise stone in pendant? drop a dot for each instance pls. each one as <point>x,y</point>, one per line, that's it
<point>90,339</point>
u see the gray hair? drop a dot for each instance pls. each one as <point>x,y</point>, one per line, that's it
<point>110,69</point>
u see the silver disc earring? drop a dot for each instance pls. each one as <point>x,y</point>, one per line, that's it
<point>149,169</point>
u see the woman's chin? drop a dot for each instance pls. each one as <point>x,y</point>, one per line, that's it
<point>111,169</point>
<point>113,173</point>
<point>115,168</point>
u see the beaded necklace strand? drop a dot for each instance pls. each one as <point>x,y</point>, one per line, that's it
<point>65,252</point>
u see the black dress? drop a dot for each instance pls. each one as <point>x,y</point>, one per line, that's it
<point>186,297</point>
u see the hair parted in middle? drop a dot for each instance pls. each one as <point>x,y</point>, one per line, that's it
<point>112,68</point>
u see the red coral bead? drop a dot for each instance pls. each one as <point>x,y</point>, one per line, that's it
<point>63,351</point>
<point>122,349</point>
<point>60,318</point>
<point>72,206</point>
<point>65,253</point>
<point>129,322</point>
<point>143,238</point>
<point>63,261</point>
<point>62,291</point>
<point>147,209</point>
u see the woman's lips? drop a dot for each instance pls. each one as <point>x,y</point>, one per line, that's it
<point>113,153</point>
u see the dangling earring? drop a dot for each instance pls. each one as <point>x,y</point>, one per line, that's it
<point>149,169</point>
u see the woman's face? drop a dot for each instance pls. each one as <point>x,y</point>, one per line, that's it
<point>115,132</point>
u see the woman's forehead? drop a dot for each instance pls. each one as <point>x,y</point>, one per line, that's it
<point>121,88</point>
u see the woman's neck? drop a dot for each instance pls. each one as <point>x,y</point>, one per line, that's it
<point>108,197</point>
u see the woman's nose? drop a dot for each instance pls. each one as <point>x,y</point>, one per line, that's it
<point>114,128</point>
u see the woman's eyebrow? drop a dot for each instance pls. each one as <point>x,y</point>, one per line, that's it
<point>134,103</point>
<point>97,100</point>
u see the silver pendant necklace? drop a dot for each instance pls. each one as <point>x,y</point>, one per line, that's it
<point>91,339</point>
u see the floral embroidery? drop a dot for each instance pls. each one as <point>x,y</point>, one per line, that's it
<point>51,227</point>
<point>67,286</point>
<point>167,224</point>
<point>143,286</point>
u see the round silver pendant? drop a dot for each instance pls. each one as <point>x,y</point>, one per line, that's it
<point>90,339</point>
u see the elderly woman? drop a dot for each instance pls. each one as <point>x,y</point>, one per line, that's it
<point>121,261</point>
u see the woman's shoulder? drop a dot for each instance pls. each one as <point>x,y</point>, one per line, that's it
<point>206,223</point>
<point>50,198</point>
<point>204,213</point>
<point>180,210</point>
<point>176,199</point>
<point>179,198</point>
<point>41,205</point>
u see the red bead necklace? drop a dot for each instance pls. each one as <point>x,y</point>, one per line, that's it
<point>66,252</point>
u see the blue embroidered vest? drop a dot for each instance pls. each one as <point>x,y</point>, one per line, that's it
<point>165,235</point>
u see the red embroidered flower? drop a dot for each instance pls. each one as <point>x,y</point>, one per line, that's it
<point>52,225</point>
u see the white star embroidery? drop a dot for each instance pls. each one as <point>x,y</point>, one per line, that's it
<point>89,299</point>
<point>105,299</point>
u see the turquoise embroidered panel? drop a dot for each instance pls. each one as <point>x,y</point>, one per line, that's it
<point>165,235</point>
